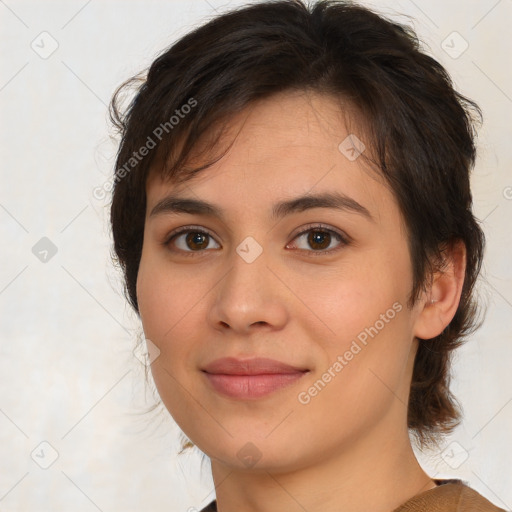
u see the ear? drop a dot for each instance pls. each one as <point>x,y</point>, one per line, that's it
<point>440,301</point>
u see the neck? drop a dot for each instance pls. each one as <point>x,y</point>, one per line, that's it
<point>377,473</point>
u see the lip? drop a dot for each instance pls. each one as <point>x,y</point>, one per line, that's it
<point>250,378</point>
<point>253,366</point>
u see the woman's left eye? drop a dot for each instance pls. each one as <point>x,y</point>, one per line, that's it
<point>191,239</point>
<point>320,239</point>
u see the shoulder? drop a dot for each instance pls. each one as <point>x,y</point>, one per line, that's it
<point>449,496</point>
<point>452,495</point>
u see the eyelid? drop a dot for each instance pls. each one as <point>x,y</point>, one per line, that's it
<point>190,227</point>
<point>186,229</point>
<point>320,226</point>
<point>344,239</point>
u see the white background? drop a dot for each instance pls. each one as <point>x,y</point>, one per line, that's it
<point>67,369</point>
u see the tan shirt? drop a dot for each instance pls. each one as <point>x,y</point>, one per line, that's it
<point>448,496</point>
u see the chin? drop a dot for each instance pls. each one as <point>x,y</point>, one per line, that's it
<point>255,455</point>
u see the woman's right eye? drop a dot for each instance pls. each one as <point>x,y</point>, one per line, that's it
<point>189,240</point>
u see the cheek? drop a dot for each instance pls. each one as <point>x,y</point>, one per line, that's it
<point>166,308</point>
<point>171,306</point>
<point>152,300</point>
<point>348,301</point>
<point>364,333</point>
<point>166,298</point>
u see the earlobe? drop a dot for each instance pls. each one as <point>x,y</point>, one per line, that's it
<point>440,302</point>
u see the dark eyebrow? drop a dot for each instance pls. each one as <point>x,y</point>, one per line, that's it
<point>174,204</point>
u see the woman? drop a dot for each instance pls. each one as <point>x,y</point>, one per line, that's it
<point>292,214</point>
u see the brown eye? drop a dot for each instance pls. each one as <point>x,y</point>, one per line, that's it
<point>318,240</point>
<point>196,240</point>
<point>190,240</point>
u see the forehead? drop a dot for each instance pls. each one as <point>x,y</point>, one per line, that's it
<point>287,145</point>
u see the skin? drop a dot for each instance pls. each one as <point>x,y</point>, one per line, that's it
<point>348,448</point>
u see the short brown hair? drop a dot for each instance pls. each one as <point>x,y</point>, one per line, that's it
<point>420,131</point>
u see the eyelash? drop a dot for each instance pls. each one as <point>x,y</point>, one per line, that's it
<point>342,238</point>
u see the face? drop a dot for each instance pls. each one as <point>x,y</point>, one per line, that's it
<point>320,286</point>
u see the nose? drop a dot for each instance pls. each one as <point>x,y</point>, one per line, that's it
<point>249,297</point>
